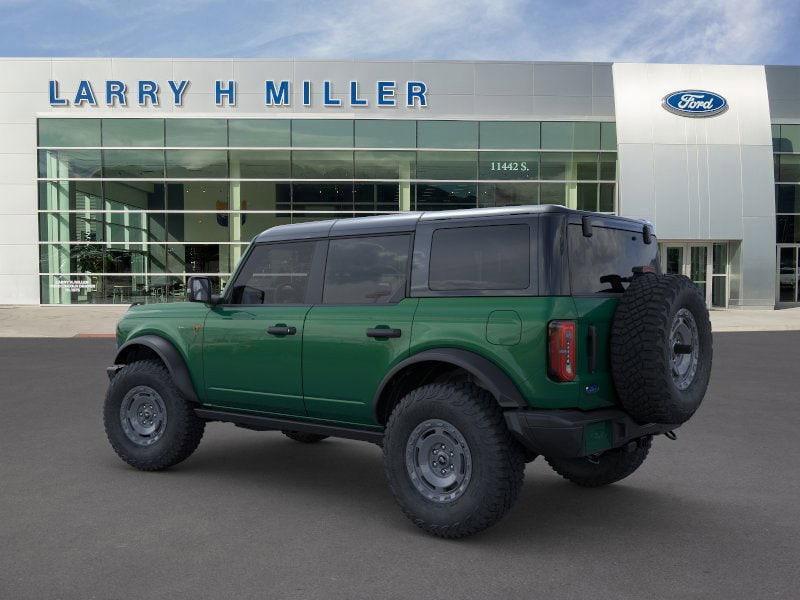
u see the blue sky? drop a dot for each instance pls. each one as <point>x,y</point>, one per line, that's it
<point>712,31</point>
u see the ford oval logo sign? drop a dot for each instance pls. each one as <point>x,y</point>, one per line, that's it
<point>695,103</point>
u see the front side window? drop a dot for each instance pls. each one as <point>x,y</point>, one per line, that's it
<point>488,257</point>
<point>366,270</point>
<point>604,262</point>
<point>274,274</point>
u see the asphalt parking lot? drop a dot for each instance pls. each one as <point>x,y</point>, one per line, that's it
<point>714,515</point>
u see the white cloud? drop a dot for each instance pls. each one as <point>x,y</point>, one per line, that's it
<point>735,31</point>
<point>715,31</point>
<point>712,31</point>
<point>412,28</point>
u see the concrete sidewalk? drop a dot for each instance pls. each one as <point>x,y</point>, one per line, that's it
<point>72,321</point>
<point>59,321</point>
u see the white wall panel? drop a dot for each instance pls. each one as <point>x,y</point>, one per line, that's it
<point>69,72</point>
<point>24,75</point>
<point>21,107</point>
<point>18,229</point>
<point>250,75</point>
<point>17,136</point>
<point>19,198</point>
<point>727,168</point>
<point>202,73</point>
<point>19,289</point>
<point>18,168</point>
<point>19,259</point>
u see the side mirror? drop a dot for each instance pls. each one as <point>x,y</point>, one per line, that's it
<point>198,289</point>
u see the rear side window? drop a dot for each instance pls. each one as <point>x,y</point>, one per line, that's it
<point>488,257</point>
<point>600,264</point>
<point>275,274</point>
<point>366,270</point>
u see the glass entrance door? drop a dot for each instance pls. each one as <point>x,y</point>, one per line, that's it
<point>691,260</point>
<point>699,269</point>
<point>673,260</point>
<point>787,292</point>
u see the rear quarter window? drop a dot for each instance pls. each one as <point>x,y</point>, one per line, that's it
<point>600,263</point>
<point>487,257</point>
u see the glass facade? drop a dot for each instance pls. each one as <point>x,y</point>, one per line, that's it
<point>786,148</point>
<point>128,208</point>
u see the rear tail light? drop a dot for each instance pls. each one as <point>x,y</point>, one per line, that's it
<point>561,350</point>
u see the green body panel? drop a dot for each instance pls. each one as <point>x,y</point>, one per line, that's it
<point>597,312</point>
<point>342,367</point>
<point>504,328</point>
<point>478,324</point>
<point>330,370</point>
<point>250,369</point>
<point>180,323</point>
<point>462,323</point>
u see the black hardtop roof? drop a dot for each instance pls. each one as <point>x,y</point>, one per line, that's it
<point>407,221</point>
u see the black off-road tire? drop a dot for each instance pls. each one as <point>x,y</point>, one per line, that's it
<point>306,438</point>
<point>609,467</point>
<point>183,429</point>
<point>642,350</point>
<point>497,464</point>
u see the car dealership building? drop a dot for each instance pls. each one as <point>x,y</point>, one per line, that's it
<point>121,177</point>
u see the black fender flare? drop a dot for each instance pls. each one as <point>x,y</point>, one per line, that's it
<point>492,377</point>
<point>170,356</point>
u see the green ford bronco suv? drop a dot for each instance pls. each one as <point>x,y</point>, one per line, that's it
<point>465,343</point>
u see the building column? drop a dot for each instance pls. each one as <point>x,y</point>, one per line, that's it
<point>405,186</point>
<point>235,219</point>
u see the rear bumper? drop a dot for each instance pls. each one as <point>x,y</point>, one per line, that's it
<point>574,433</point>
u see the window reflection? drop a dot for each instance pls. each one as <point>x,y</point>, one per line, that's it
<point>197,133</point>
<point>321,164</point>
<point>509,134</point>
<point>447,165</point>
<point>132,164</point>
<point>322,133</point>
<point>197,163</point>
<point>65,133</point>
<point>508,194</point>
<point>262,133</point>
<point>447,134</point>
<point>133,132</point>
<point>166,197</point>
<point>446,196</point>
<point>67,164</point>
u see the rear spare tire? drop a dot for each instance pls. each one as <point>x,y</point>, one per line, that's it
<point>661,349</point>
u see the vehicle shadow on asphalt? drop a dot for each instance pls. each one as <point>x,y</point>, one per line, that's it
<point>551,514</point>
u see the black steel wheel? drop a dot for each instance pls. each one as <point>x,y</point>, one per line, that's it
<point>451,463</point>
<point>150,425</point>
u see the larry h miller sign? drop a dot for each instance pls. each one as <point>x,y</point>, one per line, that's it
<point>276,93</point>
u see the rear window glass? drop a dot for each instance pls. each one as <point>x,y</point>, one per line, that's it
<point>366,270</point>
<point>489,257</point>
<point>601,264</point>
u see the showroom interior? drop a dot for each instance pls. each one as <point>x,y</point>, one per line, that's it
<point>109,202</point>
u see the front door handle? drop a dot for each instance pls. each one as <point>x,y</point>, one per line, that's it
<point>383,332</point>
<point>281,329</point>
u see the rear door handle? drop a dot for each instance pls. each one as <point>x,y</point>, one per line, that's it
<point>383,332</point>
<point>281,329</point>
